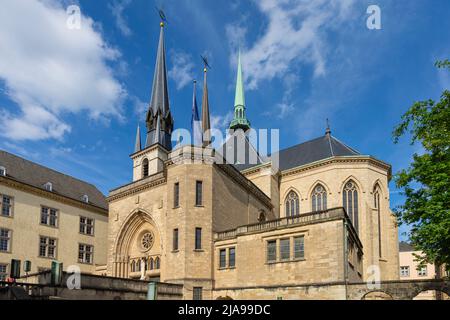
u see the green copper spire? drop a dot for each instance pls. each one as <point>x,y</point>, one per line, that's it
<point>240,120</point>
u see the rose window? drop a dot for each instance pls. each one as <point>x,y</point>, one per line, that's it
<point>147,241</point>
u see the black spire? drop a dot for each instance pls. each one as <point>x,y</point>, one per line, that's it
<point>159,119</point>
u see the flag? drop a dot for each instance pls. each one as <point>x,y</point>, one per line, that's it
<point>195,121</point>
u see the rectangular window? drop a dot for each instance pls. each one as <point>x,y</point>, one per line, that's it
<point>404,271</point>
<point>3,272</point>
<point>422,272</point>
<point>199,193</point>
<point>7,203</point>
<point>285,252</point>
<point>223,258</point>
<point>85,253</point>
<point>299,247</point>
<point>49,217</point>
<point>47,247</point>
<point>87,226</point>
<point>176,195</point>
<point>271,251</point>
<point>198,238</point>
<point>175,239</point>
<point>231,257</point>
<point>5,240</point>
<point>198,293</point>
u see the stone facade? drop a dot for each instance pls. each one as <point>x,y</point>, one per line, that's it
<point>26,228</point>
<point>314,216</point>
<point>233,203</point>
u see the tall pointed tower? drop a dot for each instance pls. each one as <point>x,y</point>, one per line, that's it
<point>240,120</point>
<point>158,114</point>
<point>150,159</point>
<point>206,122</point>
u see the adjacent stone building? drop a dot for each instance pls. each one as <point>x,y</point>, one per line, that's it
<point>46,215</point>
<point>300,224</point>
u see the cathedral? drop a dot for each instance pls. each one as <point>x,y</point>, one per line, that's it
<point>301,228</point>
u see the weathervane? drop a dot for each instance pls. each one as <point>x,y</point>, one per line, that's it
<point>162,15</point>
<point>205,63</point>
<point>328,127</point>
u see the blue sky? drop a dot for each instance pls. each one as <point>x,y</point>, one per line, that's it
<point>70,99</point>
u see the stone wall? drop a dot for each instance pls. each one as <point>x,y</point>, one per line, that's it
<point>27,229</point>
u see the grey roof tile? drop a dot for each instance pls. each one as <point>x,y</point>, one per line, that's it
<point>317,149</point>
<point>37,175</point>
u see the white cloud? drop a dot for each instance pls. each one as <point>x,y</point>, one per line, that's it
<point>221,122</point>
<point>117,8</point>
<point>182,69</point>
<point>140,108</point>
<point>49,70</point>
<point>295,33</point>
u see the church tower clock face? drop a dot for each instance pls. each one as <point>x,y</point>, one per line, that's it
<point>146,241</point>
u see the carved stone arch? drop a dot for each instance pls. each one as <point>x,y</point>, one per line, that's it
<point>380,185</point>
<point>311,189</point>
<point>441,286</point>
<point>355,180</point>
<point>322,202</point>
<point>377,295</point>
<point>129,227</point>
<point>289,191</point>
<point>286,195</point>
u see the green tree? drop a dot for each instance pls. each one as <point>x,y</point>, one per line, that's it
<point>426,182</point>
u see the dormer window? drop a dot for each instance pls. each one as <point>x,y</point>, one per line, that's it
<point>3,171</point>
<point>85,198</point>
<point>48,186</point>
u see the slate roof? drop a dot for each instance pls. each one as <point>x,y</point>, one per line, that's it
<point>405,247</point>
<point>317,149</point>
<point>33,174</point>
<point>314,150</point>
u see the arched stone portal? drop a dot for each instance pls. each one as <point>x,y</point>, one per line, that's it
<point>137,246</point>
<point>377,295</point>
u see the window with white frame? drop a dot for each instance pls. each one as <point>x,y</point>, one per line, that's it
<point>48,186</point>
<point>3,171</point>
<point>404,271</point>
<point>85,253</point>
<point>3,271</point>
<point>87,226</point>
<point>49,217</point>
<point>5,240</point>
<point>422,272</point>
<point>6,205</point>
<point>47,247</point>
<point>85,198</point>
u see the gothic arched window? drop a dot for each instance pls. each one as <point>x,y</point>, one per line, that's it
<point>150,263</point>
<point>133,266</point>
<point>376,203</point>
<point>138,265</point>
<point>292,204</point>
<point>157,263</point>
<point>319,198</point>
<point>145,168</point>
<point>350,202</point>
